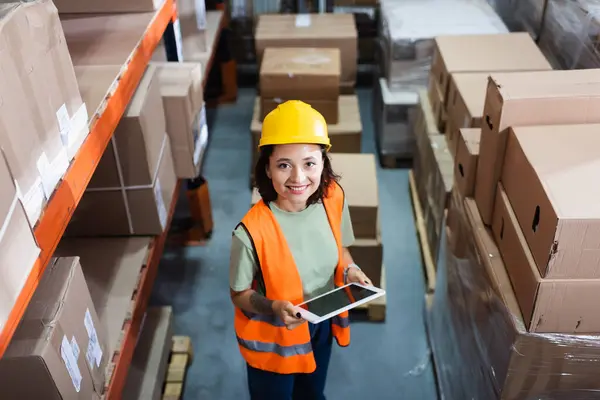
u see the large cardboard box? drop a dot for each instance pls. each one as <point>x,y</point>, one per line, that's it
<point>424,126</point>
<point>465,162</point>
<point>481,53</point>
<point>59,349</point>
<point>183,102</point>
<point>106,6</point>
<point>311,30</point>
<point>547,305</point>
<point>43,117</point>
<point>549,174</point>
<point>550,98</point>
<point>135,179</point>
<point>308,74</point>
<point>345,136</point>
<point>18,247</point>
<point>368,255</point>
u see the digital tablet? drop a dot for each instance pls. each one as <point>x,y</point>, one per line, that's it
<point>337,301</point>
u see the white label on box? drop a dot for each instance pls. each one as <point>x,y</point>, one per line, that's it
<point>302,20</point>
<point>64,124</point>
<point>201,15</point>
<point>66,352</point>
<point>178,40</point>
<point>94,351</point>
<point>33,201</point>
<point>160,204</point>
<point>75,348</point>
<point>45,171</point>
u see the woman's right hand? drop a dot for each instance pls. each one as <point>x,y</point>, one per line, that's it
<point>286,312</point>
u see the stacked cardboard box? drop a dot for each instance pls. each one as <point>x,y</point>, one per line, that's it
<point>311,75</point>
<point>312,30</point>
<point>359,179</point>
<point>533,160</point>
<point>476,53</point>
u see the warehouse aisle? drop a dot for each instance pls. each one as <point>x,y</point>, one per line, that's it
<point>384,361</point>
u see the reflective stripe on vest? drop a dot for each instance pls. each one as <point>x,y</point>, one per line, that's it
<point>264,341</point>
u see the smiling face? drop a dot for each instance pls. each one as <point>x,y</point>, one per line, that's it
<point>295,170</point>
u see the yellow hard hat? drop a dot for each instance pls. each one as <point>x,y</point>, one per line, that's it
<point>294,122</point>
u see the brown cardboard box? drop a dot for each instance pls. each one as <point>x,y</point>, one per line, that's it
<point>480,53</point>
<point>128,210</point>
<point>550,98</point>
<point>112,268</point>
<point>345,136</point>
<point>58,350</point>
<point>18,247</point>
<point>465,162</point>
<point>424,126</point>
<point>40,97</point>
<point>106,6</point>
<point>308,74</point>
<point>183,101</point>
<point>368,255</point>
<point>359,181</point>
<point>458,243</point>
<point>548,305</point>
<point>311,30</point>
<point>548,176</point>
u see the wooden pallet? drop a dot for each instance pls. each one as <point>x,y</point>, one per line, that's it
<point>375,310</point>
<point>426,254</point>
<point>180,359</point>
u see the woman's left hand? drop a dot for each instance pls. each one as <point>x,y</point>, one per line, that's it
<point>355,275</point>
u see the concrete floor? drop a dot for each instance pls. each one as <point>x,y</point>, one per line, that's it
<point>385,361</point>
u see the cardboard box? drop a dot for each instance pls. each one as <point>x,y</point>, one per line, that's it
<point>59,345</point>
<point>345,136</point>
<point>424,126</point>
<point>40,98</point>
<point>308,74</point>
<point>481,53</point>
<point>183,102</point>
<point>548,305</point>
<point>550,98</point>
<point>18,246</point>
<point>465,162</point>
<point>112,268</point>
<point>548,176</point>
<point>456,224</point>
<point>368,255</point>
<point>359,181</point>
<point>311,30</point>
<point>128,210</point>
<point>107,6</point>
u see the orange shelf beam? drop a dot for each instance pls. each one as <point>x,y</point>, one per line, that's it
<point>67,196</point>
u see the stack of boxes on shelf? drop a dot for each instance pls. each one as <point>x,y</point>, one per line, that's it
<point>74,323</point>
<point>521,220</point>
<point>455,97</point>
<point>314,74</point>
<point>404,56</point>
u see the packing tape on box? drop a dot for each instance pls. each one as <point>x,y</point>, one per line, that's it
<point>123,189</point>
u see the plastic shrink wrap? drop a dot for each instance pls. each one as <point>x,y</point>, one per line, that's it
<point>521,15</point>
<point>570,34</point>
<point>407,29</point>
<point>481,348</point>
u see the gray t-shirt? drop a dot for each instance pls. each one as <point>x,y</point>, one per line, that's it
<point>311,242</point>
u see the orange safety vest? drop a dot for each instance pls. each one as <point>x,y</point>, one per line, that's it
<point>264,341</point>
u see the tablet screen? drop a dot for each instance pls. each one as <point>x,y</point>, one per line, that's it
<point>337,299</point>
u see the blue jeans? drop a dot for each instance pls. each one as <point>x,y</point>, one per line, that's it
<point>265,385</point>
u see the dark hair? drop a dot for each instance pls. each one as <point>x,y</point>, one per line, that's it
<point>265,186</point>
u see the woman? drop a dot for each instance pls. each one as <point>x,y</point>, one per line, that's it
<point>290,247</point>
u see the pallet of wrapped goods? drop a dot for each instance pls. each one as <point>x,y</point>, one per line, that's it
<point>424,126</point>
<point>475,302</point>
<point>311,75</point>
<point>550,98</point>
<point>394,121</point>
<point>481,53</point>
<point>311,30</point>
<point>408,28</point>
